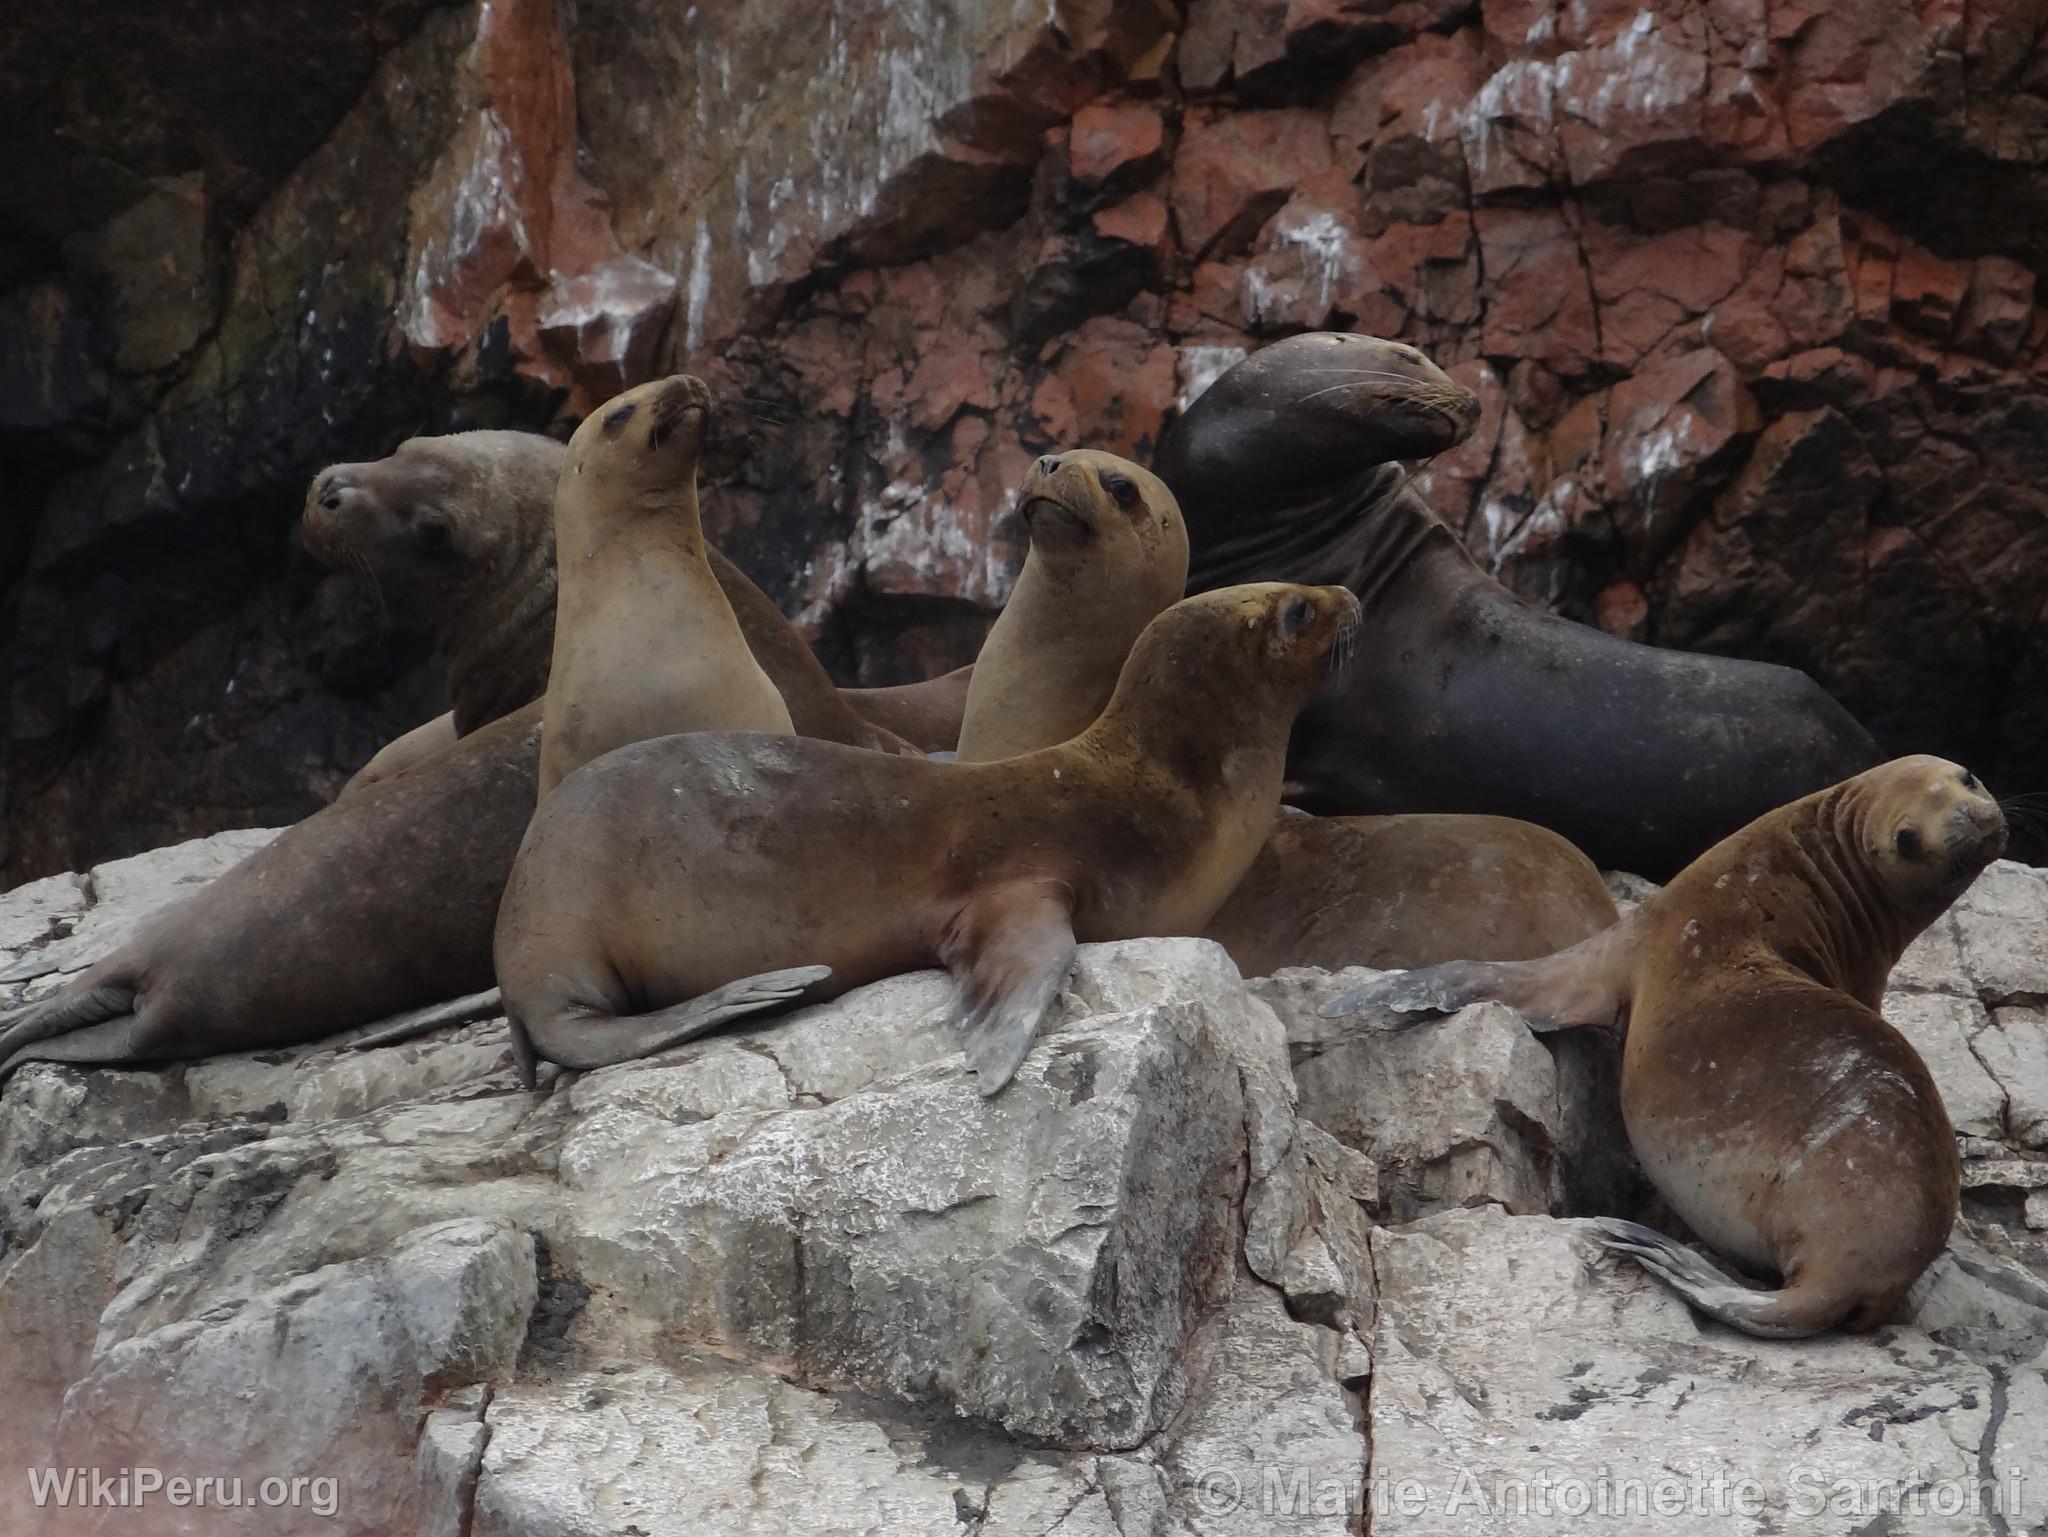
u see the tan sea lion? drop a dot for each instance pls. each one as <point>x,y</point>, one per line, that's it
<point>1107,553</point>
<point>1768,1100</point>
<point>675,866</point>
<point>1287,469</point>
<point>646,643</point>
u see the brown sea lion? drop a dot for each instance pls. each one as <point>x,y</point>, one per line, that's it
<point>672,867</point>
<point>1106,555</point>
<point>645,642</point>
<point>495,491</point>
<point>1768,1100</point>
<point>1470,699</point>
<point>1408,891</point>
<point>453,528</point>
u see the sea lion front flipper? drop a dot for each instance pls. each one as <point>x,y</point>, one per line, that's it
<point>1009,950</point>
<point>416,1022</point>
<point>1585,985</point>
<point>586,1039</point>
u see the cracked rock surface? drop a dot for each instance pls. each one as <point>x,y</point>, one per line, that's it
<point>1212,1265</point>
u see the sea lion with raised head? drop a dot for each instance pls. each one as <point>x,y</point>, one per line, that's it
<point>1769,1102</point>
<point>452,526</point>
<point>646,643</point>
<point>1107,553</point>
<point>487,585</point>
<point>673,867</point>
<point>1471,700</point>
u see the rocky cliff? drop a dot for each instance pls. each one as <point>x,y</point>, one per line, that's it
<point>1212,1265</point>
<point>1749,292</point>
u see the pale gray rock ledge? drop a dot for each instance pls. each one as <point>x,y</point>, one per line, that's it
<point>801,1278</point>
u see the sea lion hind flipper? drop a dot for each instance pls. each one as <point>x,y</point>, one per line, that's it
<point>1791,1312</point>
<point>63,1013</point>
<point>1584,985</point>
<point>1009,951</point>
<point>109,1043</point>
<point>587,1039</point>
<point>417,1022</point>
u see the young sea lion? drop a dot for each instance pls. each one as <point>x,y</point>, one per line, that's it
<point>1471,700</point>
<point>1107,553</point>
<point>1766,1097</point>
<point>645,642</point>
<point>674,866</point>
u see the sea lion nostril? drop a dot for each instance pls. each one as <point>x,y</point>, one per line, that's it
<point>1047,463</point>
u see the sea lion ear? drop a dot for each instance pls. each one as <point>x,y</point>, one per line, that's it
<point>1009,950</point>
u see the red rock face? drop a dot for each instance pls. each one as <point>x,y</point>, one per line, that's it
<point>1748,293</point>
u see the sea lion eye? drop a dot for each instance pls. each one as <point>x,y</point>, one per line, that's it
<point>1969,780</point>
<point>431,535</point>
<point>1122,490</point>
<point>1296,617</point>
<point>617,419</point>
<point>1908,843</point>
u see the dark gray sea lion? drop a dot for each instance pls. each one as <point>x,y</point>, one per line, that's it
<point>1468,699</point>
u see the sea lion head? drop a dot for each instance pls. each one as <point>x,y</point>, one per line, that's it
<point>1311,412</point>
<point>1928,828</point>
<point>1266,638</point>
<point>438,517</point>
<point>1090,511</point>
<point>1289,465</point>
<point>642,443</point>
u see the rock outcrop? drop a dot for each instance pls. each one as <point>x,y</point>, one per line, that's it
<point>1749,293</point>
<point>1211,1265</point>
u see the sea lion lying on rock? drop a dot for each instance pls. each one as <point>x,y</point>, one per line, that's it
<point>1108,552</point>
<point>673,867</point>
<point>1770,1103</point>
<point>1471,700</point>
<point>387,899</point>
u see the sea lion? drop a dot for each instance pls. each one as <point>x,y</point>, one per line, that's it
<point>645,642</point>
<point>674,866</point>
<point>380,902</point>
<point>447,525</point>
<point>495,491</point>
<point>1408,891</point>
<point>1107,553</point>
<point>1768,1100</point>
<point>1471,700</point>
